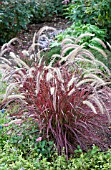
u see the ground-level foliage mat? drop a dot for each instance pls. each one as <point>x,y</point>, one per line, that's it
<point>28,153</point>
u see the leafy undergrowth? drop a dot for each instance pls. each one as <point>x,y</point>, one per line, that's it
<point>78,29</point>
<point>11,158</point>
<point>26,151</point>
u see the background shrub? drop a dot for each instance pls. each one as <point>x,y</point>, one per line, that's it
<point>15,15</point>
<point>46,10</point>
<point>78,29</point>
<point>91,11</point>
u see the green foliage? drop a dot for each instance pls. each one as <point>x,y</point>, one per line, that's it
<point>46,10</point>
<point>3,86</point>
<point>93,159</point>
<point>76,29</point>
<point>3,135</point>
<point>25,137</point>
<point>11,158</point>
<point>99,57</point>
<point>30,142</point>
<point>14,16</point>
<point>48,54</point>
<point>91,11</point>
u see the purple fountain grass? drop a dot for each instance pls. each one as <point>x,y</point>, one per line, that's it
<point>70,104</point>
<point>65,112</point>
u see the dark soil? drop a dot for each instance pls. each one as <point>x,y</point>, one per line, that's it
<point>26,35</point>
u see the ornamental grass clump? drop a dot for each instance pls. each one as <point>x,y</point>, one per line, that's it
<point>70,104</point>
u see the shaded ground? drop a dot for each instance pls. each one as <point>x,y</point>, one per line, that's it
<point>27,35</point>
